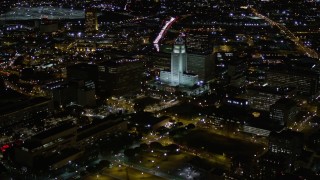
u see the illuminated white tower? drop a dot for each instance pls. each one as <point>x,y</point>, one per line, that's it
<point>178,74</point>
<point>178,61</point>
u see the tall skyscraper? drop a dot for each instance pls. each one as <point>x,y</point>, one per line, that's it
<point>120,77</point>
<point>199,43</point>
<point>83,71</point>
<point>178,74</point>
<point>91,21</point>
<point>284,111</point>
<point>200,57</point>
<point>178,60</point>
<point>202,65</point>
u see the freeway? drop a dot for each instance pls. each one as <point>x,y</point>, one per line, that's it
<point>164,29</point>
<point>35,92</point>
<point>11,85</point>
<point>308,51</point>
<point>163,32</point>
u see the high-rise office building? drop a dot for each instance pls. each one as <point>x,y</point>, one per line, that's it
<point>178,74</point>
<point>75,91</point>
<point>91,21</point>
<point>286,142</point>
<point>198,43</point>
<point>285,147</point>
<point>283,111</point>
<point>221,62</point>
<point>202,65</point>
<point>199,55</point>
<point>306,82</point>
<point>236,73</point>
<point>85,72</point>
<point>120,77</point>
<point>261,98</point>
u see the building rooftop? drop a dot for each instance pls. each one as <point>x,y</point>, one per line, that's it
<point>264,124</point>
<point>120,62</point>
<point>53,131</point>
<point>286,134</point>
<point>146,118</point>
<point>55,158</point>
<point>10,96</point>
<point>285,102</point>
<point>20,104</point>
<point>97,126</point>
<point>179,41</point>
<point>30,145</point>
<point>273,90</point>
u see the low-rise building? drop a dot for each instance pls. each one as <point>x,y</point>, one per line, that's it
<point>261,98</point>
<point>45,144</point>
<point>23,110</point>
<point>286,142</point>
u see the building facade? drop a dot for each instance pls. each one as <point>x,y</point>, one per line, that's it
<point>286,142</point>
<point>76,91</point>
<point>91,21</point>
<point>178,75</point>
<point>198,43</point>
<point>24,110</point>
<point>120,76</point>
<point>306,82</point>
<point>261,98</point>
<point>202,65</point>
<point>283,111</point>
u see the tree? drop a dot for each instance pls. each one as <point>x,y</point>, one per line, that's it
<point>190,126</point>
<point>102,164</point>
<point>139,107</point>
<point>137,150</point>
<point>179,124</point>
<point>129,152</point>
<point>144,146</point>
<point>156,145</point>
<point>172,148</point>
<point>19,61</point>
<point>91,169</point>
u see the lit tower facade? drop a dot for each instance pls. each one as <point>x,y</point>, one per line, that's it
<point>178,74</point>
<point>91,21</point>
<point>178,61</point>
